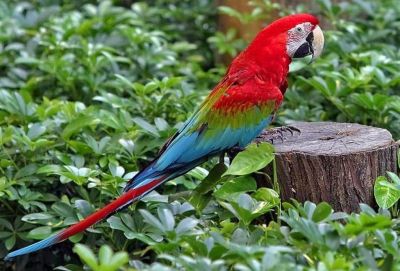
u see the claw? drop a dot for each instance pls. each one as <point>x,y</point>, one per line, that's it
<point>290,129</point>
<point>276,133</point>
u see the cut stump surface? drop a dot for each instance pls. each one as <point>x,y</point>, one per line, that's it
<point>333,162</point>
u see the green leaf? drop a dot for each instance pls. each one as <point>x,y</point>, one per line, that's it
<point>117,224</point>
<point>267,194</point>
<point>63,209</point>
<point>40,232</point>
<point>5,234</point>
<point>235,187</point>
<point>199,173</point>
<point>201,195</point>
<point>84,207</point>
<point>394,178</point>
<point>117,261</point>
<point>161,124</point>
<point>146,126</point>
<point>105,255</point>
<point>367,223</point>
<point>246,209</point>
<point>231,12</point>
<point>6,224</point>
<point>253,158</point>
<point>36,130</point>
<point>212,179</point>
<point>76,238</point>
<point>50,169</point>
<point>152,220</point>
<point>321,212</point>
<point>167,218</point>
<point>299,64</point>
<point>36,216</point>
<point>10,242</point>
<point>86,255</point>
<point>386,193</point>
<point>186,225</point>
<point>77,124</point>
<point>199,201</point>
<point>123,80</point>
<point>26,171</point>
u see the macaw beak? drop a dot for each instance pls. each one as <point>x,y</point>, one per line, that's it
<point>312,46</point>
<point>317,43</point>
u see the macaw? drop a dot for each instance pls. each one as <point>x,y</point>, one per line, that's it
<point>240,106</point>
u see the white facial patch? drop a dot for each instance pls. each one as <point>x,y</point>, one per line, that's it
<point>297,36</point>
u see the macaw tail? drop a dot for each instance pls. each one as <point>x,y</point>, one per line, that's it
<point>125,199</point>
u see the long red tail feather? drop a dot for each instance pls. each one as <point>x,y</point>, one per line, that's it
<point>126,198</point>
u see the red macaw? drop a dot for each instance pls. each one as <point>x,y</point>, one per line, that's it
<point>241,105</point>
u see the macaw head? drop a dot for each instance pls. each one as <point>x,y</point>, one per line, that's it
<point>305,38</point>
<point>297,35</point>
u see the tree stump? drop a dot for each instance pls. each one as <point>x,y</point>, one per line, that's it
<point>333,162</point>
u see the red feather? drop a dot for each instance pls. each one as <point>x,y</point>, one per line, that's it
<point>109,209</point>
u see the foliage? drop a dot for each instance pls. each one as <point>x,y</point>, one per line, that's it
<point>89,91</point>
<point>107,260</point>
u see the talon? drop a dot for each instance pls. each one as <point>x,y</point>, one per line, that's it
<point>289,129</point>
<point>293,129</point>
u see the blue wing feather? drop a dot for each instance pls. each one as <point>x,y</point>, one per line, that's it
<point>191,149</point>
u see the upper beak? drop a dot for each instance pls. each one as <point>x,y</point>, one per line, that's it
<point>313,45</point>
<point>317,43</point>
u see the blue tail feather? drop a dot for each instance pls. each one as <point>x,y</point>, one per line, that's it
<point>34,247</point>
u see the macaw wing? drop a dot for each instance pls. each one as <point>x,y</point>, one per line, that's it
<point>232,115</point>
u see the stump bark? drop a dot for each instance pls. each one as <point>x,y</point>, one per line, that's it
<point>333,162</point>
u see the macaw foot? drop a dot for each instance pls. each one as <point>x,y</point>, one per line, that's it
<point>275,134</point>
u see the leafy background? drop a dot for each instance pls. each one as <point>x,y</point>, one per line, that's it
<point>88,92</point>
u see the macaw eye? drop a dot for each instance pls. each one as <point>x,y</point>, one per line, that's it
<point>299,29</point>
